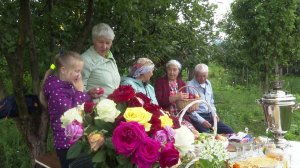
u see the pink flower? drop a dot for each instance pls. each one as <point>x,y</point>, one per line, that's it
<point>74,131</point>
<point>147,153</point>
<point>165,135</point>
<point>127,137</point>
<point>169,156</point>
<point>161,136</point>
<point>170,134</point>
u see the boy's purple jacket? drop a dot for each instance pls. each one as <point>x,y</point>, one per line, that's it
<point>61,96</point>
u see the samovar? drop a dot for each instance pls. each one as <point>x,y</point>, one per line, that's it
<point>278,107</point>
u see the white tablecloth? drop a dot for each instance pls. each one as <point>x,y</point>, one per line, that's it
<point>292,154</point>
<point>293,151</point>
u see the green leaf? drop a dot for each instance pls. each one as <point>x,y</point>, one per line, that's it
<point>99,156</point>
<point>102,125</point>
<point>74,151</point>
<point>124,162</point>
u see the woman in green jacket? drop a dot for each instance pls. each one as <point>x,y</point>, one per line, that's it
<point>139,76</point>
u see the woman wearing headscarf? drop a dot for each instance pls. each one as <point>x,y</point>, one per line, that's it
<point>139,77</point>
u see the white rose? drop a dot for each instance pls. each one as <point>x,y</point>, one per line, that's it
<point>106,110</point>
<point>71,115</point>
<point>184,140</point>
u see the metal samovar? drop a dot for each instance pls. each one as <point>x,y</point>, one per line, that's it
<point>278,107</point>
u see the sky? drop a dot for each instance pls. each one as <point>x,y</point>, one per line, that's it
<point>223,7</point>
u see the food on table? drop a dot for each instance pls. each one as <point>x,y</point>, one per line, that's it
<point>240,137</point>
<point>275,153</point>
<point>236,165</point>
<point>257,162</point>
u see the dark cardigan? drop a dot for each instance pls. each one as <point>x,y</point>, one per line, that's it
<point>162,91</point>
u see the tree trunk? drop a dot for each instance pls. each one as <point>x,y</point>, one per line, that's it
<point>2,90</point>
<point>33,128</point>
<point>86,30</point>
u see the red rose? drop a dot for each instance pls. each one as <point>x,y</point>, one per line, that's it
<point>144,97</point>
<point>122,94</point>
<point>169,156</point>
<point>89,107</point>
<point>176,123</point>
<point>155,125</point>
<point>135,102</point>
<point>119,119</point>
<point>153,108</point>
<point>100,91</point>
<point>147,153</point>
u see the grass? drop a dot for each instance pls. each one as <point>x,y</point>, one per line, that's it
<point>236,106</point>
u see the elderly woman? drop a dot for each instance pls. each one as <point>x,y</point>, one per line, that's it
<point>167,90</point>
<point>139,77</point>
<point>100,68</point>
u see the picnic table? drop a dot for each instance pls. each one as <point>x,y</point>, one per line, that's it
<point>291,155</point>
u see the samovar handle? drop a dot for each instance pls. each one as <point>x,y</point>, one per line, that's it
<point>296,106</point>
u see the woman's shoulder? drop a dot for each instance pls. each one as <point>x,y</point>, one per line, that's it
<point>161,79</point>
<point>128,81</point>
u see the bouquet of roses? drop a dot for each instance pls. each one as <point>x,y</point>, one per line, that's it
<point>126,130</point>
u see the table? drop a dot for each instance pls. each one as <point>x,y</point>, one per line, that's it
<point>291,154</point>
<point>293,151</point>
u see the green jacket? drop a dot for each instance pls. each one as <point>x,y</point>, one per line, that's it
<point>138,86</point>
<point>100,72</point>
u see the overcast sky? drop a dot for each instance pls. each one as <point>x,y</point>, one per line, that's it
<point>223,7</point>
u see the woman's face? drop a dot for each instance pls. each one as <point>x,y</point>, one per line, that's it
<point>72,73</point>
<point>147,76</point>
<point>102,45</point>
<point>172,72</point>
<point>201,77</point>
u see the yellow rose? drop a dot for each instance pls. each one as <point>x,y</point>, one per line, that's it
<point>140,115</point>
<point>96,140</point>
<point>166,121</point>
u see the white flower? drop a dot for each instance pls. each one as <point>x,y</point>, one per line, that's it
<point>106,110</point>
<point>70,115</point>
<point>184,140</point>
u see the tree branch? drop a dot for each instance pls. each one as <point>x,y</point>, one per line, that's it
<point>86,27</point>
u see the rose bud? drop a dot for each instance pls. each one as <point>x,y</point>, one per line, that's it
<point>96,140</point>
<point>89,107</point>
<point>100,91</point>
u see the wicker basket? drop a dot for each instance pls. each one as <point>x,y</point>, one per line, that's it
<point>180,104</point>
<point>185,109</point>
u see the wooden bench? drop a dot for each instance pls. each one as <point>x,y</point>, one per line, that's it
<point>48,160</point>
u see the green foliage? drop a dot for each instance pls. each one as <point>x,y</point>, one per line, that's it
<point>14,152</point>
<point>261,35</point>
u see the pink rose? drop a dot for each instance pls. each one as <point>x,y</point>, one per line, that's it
<point>165,135</point>
<point>161,136</point>
<point>169,156</point>
<point>147,153</point>
<point>74,131</point>
<point>127,137</point>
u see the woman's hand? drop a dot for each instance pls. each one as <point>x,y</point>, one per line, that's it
<point>96,92</point>
<point>178,96</point>
<point>206,124</point>
<point>181,96</point>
